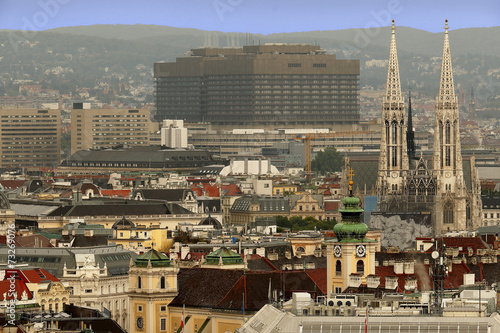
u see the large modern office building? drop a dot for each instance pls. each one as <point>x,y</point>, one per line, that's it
<point>30,137</point>
<point>103,128</point>
<point>259,86</point>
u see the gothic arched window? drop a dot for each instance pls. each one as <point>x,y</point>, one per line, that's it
<point>448,212</point>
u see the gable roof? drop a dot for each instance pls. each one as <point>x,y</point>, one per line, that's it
<point>224,288</point>
<point>167,194</point>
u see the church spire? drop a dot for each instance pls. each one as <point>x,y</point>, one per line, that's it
<point>446,87</point>
<point>393,160</point>
<point>393,86</point>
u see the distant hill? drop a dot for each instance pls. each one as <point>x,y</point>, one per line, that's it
<point>123,55</point>
<point>409,40</point>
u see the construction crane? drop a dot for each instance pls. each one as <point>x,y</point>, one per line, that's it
<point>307,138</point>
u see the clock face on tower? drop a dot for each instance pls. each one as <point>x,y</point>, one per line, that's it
<point>360,251</point>
<point>337,251</point>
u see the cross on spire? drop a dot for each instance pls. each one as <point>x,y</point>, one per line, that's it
<point>351,174</point>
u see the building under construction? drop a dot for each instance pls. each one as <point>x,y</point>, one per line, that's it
<point>259,86</point>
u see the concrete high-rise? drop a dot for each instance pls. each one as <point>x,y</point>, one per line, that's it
<point>30,137</point>
<point>259,86</point>
<point>101,128</point>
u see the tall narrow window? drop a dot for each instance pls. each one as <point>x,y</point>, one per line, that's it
<point>448,212</point>
<point>139,282</point>
<point>448,141</point>
<point>360,267</point>
<point>162,282</point>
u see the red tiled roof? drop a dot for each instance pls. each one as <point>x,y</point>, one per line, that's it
<point>224,288</point>
<point>33,275</point>
<point>231,190</point>
<point>205,189</point>
<point>12,184</point>
<point>463,242</point>
<point>32,241</point>
<point>318,275</point>
<point>20,287</point>
<point>116,193</point>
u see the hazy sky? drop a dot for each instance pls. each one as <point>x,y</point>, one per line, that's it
<point>255,16</point>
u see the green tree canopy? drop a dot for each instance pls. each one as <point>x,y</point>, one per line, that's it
<point>327,161</point>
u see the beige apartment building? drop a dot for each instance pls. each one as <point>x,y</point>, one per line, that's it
<point>30,137</point>
<point>102,128</point>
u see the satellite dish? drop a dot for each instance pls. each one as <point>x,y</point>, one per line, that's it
<point>435,255</point>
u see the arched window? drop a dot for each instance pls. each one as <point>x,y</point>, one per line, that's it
<point>394,140</point>
<point>448,142</point>
<point>360,267</point>
<point>162,282</point>
<point>139,282</point>
<point>338,268</point>
<point>300,249</point>
<point>448,212</point>
<point>387,132</point>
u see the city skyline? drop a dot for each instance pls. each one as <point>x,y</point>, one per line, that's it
<point>253,17</point>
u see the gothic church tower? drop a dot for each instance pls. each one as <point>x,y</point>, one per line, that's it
<point>447,156</point>
<point>393,161</point>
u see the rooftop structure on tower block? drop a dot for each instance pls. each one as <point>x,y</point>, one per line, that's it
<point>259,86</point>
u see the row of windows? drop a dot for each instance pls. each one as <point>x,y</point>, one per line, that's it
<point>28,116</point>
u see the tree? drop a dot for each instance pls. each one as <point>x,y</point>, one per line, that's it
<point>327,161</point>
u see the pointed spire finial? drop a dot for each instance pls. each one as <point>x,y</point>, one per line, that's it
<point>446,26</point>
<point>351,174</point>
<point>393,26</point>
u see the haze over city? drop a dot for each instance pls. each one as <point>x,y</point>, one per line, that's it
<point>258,16</point>
<point>238,166</point>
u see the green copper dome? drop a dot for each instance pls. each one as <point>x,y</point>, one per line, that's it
<point>225,255</point>
<point>350,228</point>
<point>156,258</point>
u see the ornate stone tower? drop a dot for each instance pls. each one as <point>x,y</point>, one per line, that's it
<point>350,254</point>
<point>393,160</point>
<point>447,155</point>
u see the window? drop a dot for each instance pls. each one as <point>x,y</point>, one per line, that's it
<point>139,308</point>
<point>448,212</point>
<point>360,267</point>
<point>162,282</point>
<point>88,291</point>
<point>338,268</point>
<point>139,282</point>
<point>421,247</point>
<point>294,64</point>
<point>163,308</point>
<point>163,324</point>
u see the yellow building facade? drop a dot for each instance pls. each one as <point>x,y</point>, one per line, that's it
<point>350,255</point>
<point>153,285</point>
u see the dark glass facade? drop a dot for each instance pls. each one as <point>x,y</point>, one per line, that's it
<point>270,86</point>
